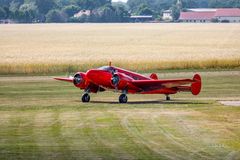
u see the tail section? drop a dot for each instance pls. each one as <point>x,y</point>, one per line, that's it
<point>197,85</point>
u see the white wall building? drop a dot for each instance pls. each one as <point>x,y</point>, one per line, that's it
<point>167,15</point>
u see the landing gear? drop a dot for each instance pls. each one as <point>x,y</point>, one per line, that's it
<point>85,97</point>
<point>123,98</point>
<point>168,98</point>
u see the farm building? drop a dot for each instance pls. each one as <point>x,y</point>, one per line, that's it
<point>167,15</point>
<point>228,14</point>
<point>196,16</point>
<point>207,15</point>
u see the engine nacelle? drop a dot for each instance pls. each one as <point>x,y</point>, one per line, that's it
<point>120,81</point>
<point>79,80</point>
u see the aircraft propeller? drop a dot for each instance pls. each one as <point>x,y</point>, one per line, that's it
<point>77,79</point>
<point>115,80</point>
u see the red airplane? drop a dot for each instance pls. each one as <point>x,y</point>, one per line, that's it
<point>124,81</point>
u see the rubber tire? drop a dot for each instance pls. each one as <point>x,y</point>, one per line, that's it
<point>168,98</point>
<point>123,98</point>
<point>85,98</point>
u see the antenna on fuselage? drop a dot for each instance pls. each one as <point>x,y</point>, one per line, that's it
<point>110,64</point>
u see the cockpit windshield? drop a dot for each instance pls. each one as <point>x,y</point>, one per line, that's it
<point>107,68</point>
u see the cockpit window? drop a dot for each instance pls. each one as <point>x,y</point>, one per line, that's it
<point>107,68</point>
<point>103,68</point>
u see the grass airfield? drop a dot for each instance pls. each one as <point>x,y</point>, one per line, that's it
<point>41,118</point>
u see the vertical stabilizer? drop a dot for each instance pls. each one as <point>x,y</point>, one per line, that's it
<point>197,85</point>
<point>154,76</point>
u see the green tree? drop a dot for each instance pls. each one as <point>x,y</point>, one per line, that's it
<point>134,5</point>
<point>158,5</point>
<point>45,5</point>
<point>63,3</point>
<point>203,3</point>
<point>144,10</point>
<point>121,13</point>
<point>7,12</point>
<point>70,10</point>
<point>107,13</point>
<point>2,13</point>
<point>224,4</point>
<point>5,3</point>
<point>15,4</point>
<point>83,18</point>
<point>28,12</point>
<point>92,4</point>
<point>189,4</point>
<point>55,16</point>
<point>155,5</point>
<point>175,12</point>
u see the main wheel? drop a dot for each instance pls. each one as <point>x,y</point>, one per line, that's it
<point>123,98</point>
<point>85,98</point>
<point>168,98</point>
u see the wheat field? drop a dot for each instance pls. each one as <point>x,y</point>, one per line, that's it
<point>55,48</point>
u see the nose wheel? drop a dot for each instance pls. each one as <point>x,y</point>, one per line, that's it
<point>85,97</point>
<point>123,98</point>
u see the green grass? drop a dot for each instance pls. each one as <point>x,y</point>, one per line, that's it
<point>44,119</point>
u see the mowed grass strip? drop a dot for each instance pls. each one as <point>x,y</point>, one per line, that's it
<point>44,119</point>
<point>60,48</point>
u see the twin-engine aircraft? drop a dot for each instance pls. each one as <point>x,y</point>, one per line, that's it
<point>127,82</point>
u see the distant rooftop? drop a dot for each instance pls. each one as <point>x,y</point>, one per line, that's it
<point>208,14</point>
<point>197,15</point>
<point>228,12</point>
<point>202,9</point>
<point>167,11</point>
<point>142,16</point>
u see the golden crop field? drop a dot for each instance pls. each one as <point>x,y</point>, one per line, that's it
<point>54,48</point>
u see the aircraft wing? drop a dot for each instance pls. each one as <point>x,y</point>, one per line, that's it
<point>69,79</point>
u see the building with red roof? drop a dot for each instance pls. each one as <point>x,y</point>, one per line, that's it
<point>228,14</point>
<point>222,15</point>
<point>196,16</point>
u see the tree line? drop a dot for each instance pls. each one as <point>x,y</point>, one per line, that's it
<point>30,11</point>
<point>156,7</point>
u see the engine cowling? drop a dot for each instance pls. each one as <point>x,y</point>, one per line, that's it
<point>120,81</point>
<point>79,80</point>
